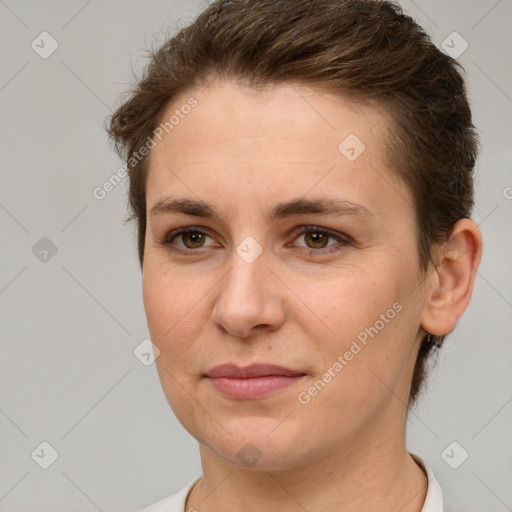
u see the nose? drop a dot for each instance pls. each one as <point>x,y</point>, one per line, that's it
<point>250,298</point>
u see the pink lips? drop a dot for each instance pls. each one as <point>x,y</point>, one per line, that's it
<point>254,381</point>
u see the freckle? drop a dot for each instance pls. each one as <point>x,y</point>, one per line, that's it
<point>269,347</point>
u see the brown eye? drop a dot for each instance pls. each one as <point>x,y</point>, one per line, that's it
<point>186,240</point>
<point>316,239</point>
<point>193,239</point>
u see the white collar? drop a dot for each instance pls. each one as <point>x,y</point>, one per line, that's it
<point>434,497</point>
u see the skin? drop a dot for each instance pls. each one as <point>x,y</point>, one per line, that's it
<point>295,305</point>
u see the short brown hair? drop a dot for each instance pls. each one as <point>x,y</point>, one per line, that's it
<point>366,48</point>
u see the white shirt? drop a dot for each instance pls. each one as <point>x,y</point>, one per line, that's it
<point>433,500</point>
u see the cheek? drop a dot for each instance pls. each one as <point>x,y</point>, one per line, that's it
<point>351,300</point>
<point>173,327</point>
<point>167,296</point>
<point>172,306</point>
<point>371,319</point>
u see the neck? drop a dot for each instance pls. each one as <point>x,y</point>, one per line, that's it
<point>373,472</point>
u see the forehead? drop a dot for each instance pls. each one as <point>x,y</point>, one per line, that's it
<point>227,112</point>
<point>286,140</point>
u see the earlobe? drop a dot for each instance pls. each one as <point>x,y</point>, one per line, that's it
<point>452,280</point>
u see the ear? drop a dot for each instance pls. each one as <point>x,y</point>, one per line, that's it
<point>450,284</point>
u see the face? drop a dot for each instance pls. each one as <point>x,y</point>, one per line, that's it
<point>299,251</point>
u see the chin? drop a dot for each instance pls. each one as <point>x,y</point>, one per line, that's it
<point>259,455</point>
<point>258,444</point>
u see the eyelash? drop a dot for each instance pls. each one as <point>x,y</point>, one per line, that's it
<point>343,240</point>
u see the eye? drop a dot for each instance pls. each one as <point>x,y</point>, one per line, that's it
<point>191,238</point>
<point>317,240</point>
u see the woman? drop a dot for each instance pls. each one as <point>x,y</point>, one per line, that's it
<point>301,177</point>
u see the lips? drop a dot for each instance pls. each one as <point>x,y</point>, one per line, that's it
<point>251,382</point>
<point>231,371</point>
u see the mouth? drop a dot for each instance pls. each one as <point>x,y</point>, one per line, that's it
<point>251,382</point>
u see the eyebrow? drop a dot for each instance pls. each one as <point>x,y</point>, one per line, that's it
<point>299,206</point>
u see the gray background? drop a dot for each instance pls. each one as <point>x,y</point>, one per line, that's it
<point>70,324</point>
